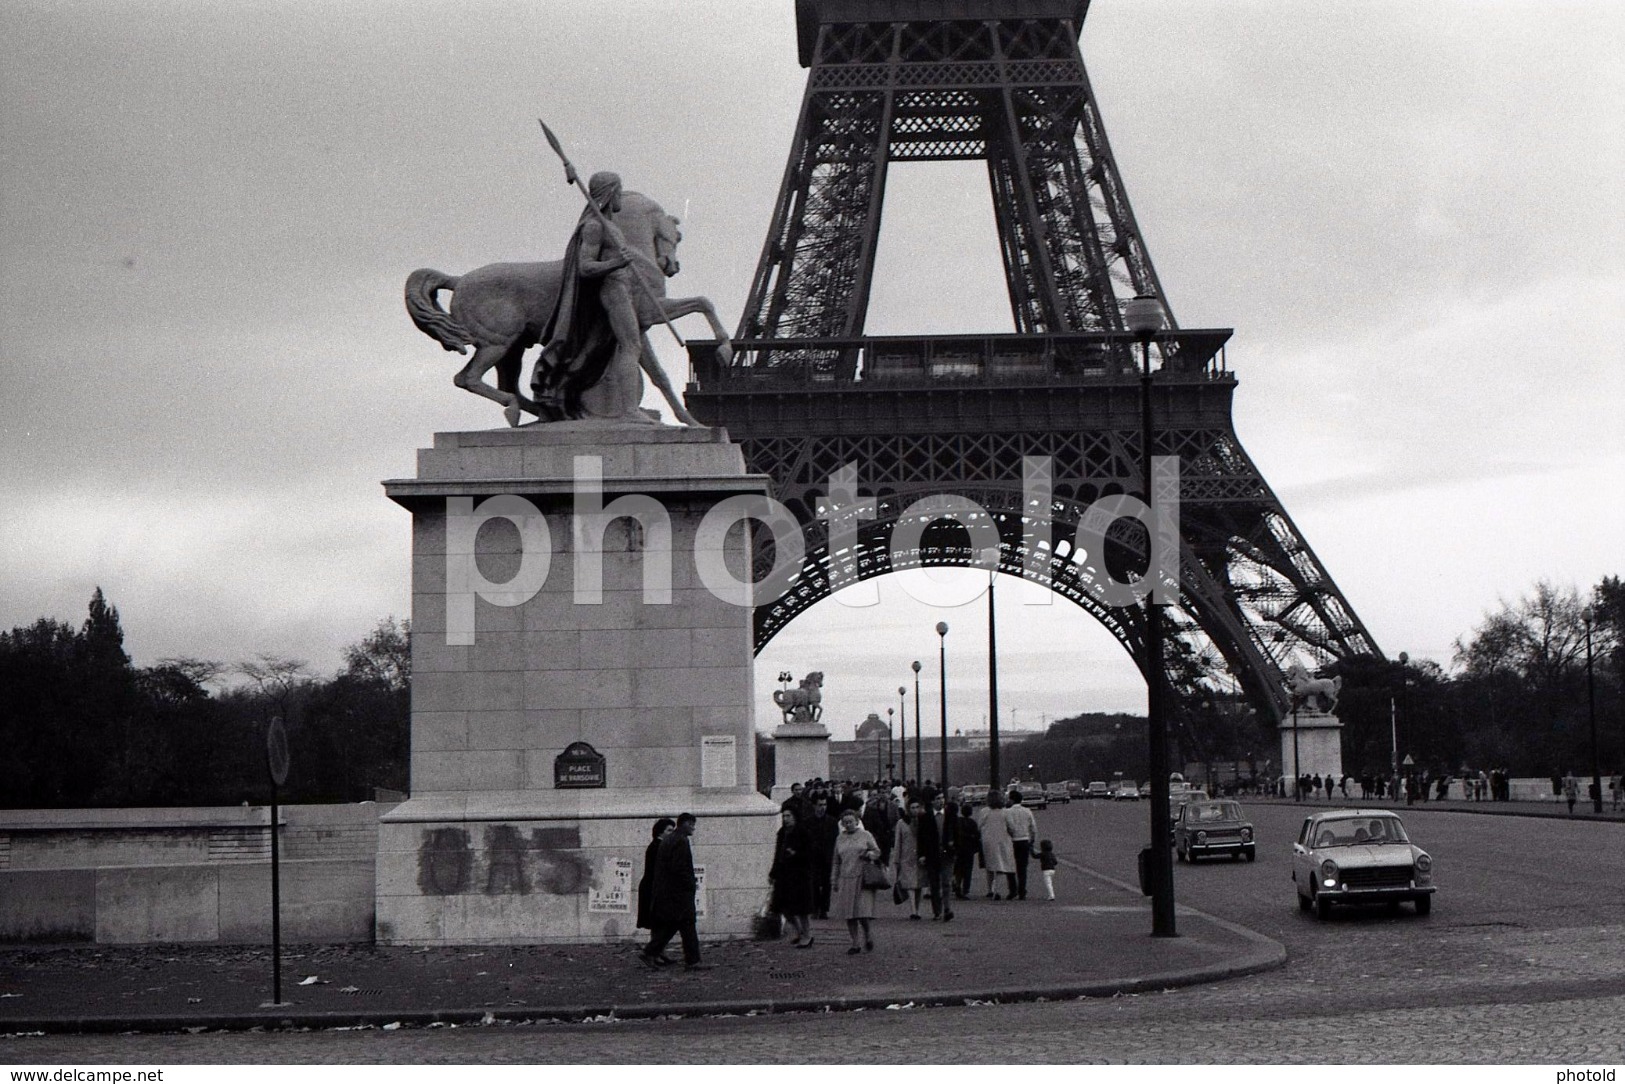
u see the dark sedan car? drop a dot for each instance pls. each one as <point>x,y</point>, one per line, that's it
<point>1207,826</point>
<point>1032,795</point>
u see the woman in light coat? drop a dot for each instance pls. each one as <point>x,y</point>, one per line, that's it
<point>905,858</point>
<point>998,850</point>
<point>854,847</point>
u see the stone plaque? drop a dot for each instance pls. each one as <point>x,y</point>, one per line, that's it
<point>719,761</point>
<point>579,767</point>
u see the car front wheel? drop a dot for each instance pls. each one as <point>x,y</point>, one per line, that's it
<point>1252,854</point>
<point>1303,902</point>
<point>1424,905</point>
<point>1323,908</point>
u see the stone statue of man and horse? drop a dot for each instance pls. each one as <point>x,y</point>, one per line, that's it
<point>590,312</point>
<point>1316,694</point>
<point>803,704</point>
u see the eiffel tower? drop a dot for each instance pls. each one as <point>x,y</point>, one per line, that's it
<point>807,392</point>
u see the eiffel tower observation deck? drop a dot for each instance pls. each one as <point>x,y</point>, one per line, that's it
<point>1051,409</point>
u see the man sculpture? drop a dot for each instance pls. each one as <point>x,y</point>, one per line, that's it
<point>589,312</point>
<point>589,363</point>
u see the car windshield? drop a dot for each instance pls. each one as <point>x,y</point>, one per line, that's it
<point>1210,812</point>
<point>1355,831</point>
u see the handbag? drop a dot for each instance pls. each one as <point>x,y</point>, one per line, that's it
<point>874,875</point>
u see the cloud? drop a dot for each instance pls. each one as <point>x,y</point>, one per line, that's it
<point>1411,214</point>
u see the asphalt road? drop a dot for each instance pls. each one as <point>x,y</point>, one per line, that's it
<point>1522,961</point>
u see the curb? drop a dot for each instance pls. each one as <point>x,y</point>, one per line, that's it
<point>1265,954</point>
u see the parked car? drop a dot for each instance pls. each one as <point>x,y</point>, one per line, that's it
<point>1057,792</point>
<point>973,794</point>
<point>1033,795</point>
<point>1074,788</point>
<point>1206,826</point>
<point>1126,791</point>
<point>1098,789</point>
<point>1145,789</point>
<point>1359,856</point>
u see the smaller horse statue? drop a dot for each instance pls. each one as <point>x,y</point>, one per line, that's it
<point>1318,694</point>
<point>501,310</point>
<point>803,704</point>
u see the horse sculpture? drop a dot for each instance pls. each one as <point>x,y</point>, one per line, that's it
<point>1319,693</point>
<point>501,310</point>
<point>802,704</point>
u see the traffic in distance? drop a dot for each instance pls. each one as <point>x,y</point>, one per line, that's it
<point>1341,857</point>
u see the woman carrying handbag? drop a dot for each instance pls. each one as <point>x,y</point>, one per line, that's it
<point>856,874</point>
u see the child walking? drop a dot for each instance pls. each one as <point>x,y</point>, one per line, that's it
<point>1047,863</point>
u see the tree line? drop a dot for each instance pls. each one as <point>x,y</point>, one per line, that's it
<point>82,726</point>
<point>1515,698</point>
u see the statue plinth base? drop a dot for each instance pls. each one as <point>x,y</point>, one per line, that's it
<point>800,753</point>
<point>1319,745</point>
<point>507,837</point>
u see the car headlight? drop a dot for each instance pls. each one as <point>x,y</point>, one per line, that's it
<point>1328,873</point>
<point>1246,835</point>
<point>1424,864</point>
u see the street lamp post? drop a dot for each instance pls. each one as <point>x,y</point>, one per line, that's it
<point>942,701</point>
<point>1143,317</point>
<point>890,763</point>
<point>1588,616</point>
<point>877,750</point>
<point>942,785</point>
<point>992,689</point>
<point>902,714</point>
<point>1405,710</point>
<point>902,749</point>
<point>1393,722</point>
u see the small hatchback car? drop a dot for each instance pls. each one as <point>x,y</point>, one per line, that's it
<point>1359,856</point>
<point>1203,827</point>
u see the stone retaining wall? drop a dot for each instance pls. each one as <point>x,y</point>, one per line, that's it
<point>138,876</point>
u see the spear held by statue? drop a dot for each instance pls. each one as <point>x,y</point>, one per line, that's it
<point>572,177</point>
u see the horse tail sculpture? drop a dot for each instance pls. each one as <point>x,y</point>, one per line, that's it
<point>423,306</point>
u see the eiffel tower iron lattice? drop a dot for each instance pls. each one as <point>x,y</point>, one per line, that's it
<point>977,416</point>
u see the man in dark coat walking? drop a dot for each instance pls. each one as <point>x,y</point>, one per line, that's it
<point>674,911</point>
<point>823,828</point>
<point>880,817</point>
<point>929,831</point>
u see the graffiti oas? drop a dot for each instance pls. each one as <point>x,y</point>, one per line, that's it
<point>507,862</point>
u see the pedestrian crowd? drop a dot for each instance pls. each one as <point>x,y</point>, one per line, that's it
<point>844,848</point>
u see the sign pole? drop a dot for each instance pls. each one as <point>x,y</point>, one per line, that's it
<point>276,907</point>
<point>276,764</point>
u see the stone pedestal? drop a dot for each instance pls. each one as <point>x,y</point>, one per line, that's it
<point>529,638</point>
<point>1320,745</point>
<point>800,753</point>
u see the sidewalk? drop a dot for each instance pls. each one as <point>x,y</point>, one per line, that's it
<point>1094,941</point>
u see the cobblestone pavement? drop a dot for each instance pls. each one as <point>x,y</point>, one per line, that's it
<point>1152,1028</point>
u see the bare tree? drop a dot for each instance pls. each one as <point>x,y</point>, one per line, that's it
<point>276,678</point>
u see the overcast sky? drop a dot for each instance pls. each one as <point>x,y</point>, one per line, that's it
<point>1410,213</point>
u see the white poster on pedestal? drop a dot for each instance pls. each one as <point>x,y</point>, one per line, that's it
<point>719,761</point>
<point>699,891</point>
<point>611,891</point>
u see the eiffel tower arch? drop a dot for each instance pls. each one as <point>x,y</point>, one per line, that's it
<point>996,418</point>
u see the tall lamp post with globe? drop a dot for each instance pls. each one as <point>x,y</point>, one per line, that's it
<point>942,702</point>
<point>1143,317</point>
<point>1588,615</point>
